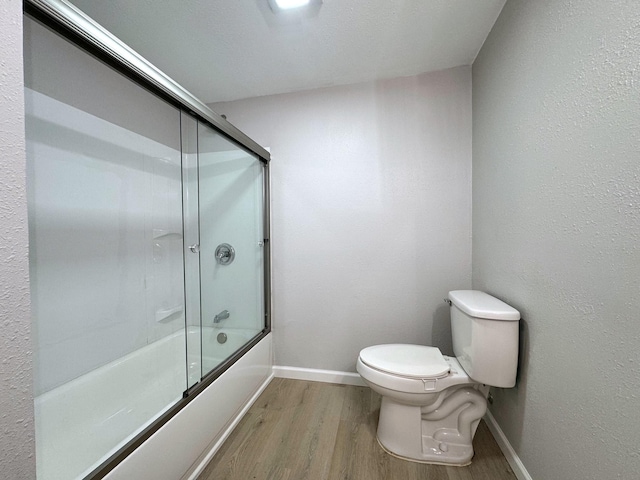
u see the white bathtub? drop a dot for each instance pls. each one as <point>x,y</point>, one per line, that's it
<point>213,352</point>
<point>81,423</point>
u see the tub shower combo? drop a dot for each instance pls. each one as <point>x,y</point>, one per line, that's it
<point>149,258</point>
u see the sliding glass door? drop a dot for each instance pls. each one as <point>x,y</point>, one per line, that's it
<point>231,246</point>
<point>106,254</point>
<point>147,255</point>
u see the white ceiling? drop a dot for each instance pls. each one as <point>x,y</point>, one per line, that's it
<point>230,49</point>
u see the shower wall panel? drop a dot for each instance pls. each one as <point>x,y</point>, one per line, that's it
<point>104,186</point>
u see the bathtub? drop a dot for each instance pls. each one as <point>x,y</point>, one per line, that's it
<point>83,422</point>
<point>214,352</point>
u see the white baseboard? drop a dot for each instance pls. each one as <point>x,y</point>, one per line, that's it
<point>197,470</point>
<point>315,375</point>
<point>510,454</point>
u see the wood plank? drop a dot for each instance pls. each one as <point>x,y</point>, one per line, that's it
<point>488,461</point>
<point>300,430</point>
<point>306,435</point>
<point>356,455</point>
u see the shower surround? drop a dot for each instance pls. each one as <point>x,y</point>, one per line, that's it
<point>149,261</point>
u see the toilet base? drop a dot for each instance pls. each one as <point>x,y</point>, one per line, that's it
<point>440,434</point>
<point>433,461</point>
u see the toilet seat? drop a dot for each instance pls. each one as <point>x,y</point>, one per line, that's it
<point>409,361</point>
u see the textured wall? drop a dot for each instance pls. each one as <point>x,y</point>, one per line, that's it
<point>371,212</point>
<point>556,227</point>
<point>16,400</point>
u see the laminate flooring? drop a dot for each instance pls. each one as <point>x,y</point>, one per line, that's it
<point>299,430</point>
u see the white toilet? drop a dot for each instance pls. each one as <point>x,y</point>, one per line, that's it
<point>431,403</point>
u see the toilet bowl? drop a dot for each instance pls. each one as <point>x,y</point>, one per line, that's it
<point>432,403</point>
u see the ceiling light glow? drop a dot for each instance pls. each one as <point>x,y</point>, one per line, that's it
<point>287,4</point>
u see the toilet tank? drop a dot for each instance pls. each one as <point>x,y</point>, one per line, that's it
<point>485,337</point>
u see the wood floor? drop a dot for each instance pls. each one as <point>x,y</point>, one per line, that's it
<point>300,430</point>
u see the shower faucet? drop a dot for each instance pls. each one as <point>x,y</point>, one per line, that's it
<point>221,316</point>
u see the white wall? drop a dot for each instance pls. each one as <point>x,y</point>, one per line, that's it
<point>556,227</point>
<point>17,459</point>
<point>371,212</point>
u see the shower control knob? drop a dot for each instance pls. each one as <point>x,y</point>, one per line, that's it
<point>225,254</point>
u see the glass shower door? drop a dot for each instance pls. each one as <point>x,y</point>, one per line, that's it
<point>106,264</point>
<point>230,186</point>
<point>132,204</point>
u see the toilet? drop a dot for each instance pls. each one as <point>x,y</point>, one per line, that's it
<point>432,403</point>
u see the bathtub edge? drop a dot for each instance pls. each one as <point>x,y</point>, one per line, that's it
<point>183,444</point>
<point>215,445</point>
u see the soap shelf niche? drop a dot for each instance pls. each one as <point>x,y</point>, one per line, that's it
<point>165,314</point>
<point>160,233</point>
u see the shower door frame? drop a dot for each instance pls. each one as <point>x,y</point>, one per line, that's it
<point>74,25</point>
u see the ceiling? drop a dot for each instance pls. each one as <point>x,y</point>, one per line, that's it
<point>223,50</point>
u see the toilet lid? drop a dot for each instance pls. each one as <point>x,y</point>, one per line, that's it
<point>415,361</point>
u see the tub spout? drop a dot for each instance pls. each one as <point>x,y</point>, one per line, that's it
<point>221,316</point>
